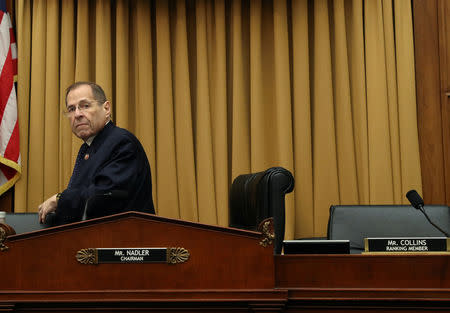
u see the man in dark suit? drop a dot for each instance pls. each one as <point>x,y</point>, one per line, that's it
<point>111,173</point>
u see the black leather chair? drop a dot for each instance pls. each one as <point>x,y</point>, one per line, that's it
<point>258,196</point>
<point>356,222</point>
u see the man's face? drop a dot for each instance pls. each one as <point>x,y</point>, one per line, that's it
<point>93,115</point>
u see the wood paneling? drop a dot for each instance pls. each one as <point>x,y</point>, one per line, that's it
<point>6,201</point>
<point>444,53</point>
<point>431,55</point>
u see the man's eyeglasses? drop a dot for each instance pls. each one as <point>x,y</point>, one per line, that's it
<point>82,107</point>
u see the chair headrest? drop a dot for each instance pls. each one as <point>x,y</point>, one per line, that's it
<point>254,197</point>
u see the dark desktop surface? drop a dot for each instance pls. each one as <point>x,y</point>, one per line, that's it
<point>24,222</point>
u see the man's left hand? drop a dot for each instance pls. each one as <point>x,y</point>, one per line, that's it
<point>48,206</point>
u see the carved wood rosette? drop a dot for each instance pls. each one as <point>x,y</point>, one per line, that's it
<point>87,256</point>
<point>177,255</point>
<point>3,247</point>
<point>266,227</point>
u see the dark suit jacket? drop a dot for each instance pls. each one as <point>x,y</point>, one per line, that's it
<point>116,161</point>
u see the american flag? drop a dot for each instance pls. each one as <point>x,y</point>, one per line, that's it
<point>9,125</point>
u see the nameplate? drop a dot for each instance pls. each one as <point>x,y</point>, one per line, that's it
<point>132,255</point>
<point>406,244</point>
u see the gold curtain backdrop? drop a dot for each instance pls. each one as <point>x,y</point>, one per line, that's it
<point>214,89</point>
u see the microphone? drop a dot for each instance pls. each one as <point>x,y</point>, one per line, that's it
<point>417,202</point>
<point>113,194</point>
<point>415,199</point>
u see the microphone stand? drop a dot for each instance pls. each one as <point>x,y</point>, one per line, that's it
<point>421,208</point>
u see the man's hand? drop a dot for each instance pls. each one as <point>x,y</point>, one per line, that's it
<point>48,206</point>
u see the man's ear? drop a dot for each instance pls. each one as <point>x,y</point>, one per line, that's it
<point>107,108</point>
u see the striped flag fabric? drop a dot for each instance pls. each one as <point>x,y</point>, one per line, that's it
<point>9,126</point>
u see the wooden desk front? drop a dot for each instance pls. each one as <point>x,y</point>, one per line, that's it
<point>378,283</point>
<point>228,271</point>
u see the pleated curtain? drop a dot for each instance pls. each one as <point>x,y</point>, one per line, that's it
<point>215,89</point>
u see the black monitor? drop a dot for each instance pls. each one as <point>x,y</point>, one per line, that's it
<point>308,246</point>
